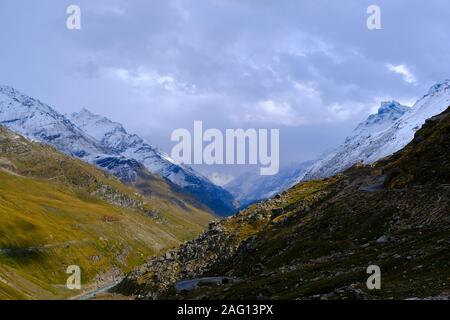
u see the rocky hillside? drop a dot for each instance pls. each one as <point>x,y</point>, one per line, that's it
<point>57,211</point>
<point>316,240</point>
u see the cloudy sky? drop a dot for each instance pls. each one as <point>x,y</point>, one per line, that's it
<point>310,68</point>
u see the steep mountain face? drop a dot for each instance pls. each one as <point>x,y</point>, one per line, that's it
<point>113,136</point>
<point>251,187</point>
<point>316,240</point>
<point>358,146</point>
<point>107,145</point>
<point>57,211</point>
<point>38,121</point>
<point>384,133</point>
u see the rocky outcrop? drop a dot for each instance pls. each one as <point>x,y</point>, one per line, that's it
<point>224,241</point>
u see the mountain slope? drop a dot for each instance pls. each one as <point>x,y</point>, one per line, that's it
<point>115,150</point>
<point>113,136</point>
<point>383,134</point>
<point>316,240</point>
<point>380,135</point>
<point>357,147</point>
<point>250,187</point>
<point>57,211</point>
<point>36,120</point>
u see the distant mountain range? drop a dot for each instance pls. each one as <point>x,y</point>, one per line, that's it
<point>251,187</point>
<point>100,141</point>
<point>382,134</point>
<point>97,140</point>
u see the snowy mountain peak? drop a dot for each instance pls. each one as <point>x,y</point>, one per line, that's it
<point>100,141</point>
<point>97,126</point>
<point>86,113</point>
<point>392,107</point>
<point>384,133</point>
<point>85,117</point>
<point>7,90</point>
<point>36,120</point>
<point>27,103</point>
<point>439,87</point>
<point>12,93</point>
<point>112,135</point>
<point>388,113</point>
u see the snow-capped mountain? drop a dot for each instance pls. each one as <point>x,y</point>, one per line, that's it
<point>105,144</point>
<point>356,147</point>
<point>252,187</point>
<point>114,137</point>
<point>384,133</point>
<point>38,121</point>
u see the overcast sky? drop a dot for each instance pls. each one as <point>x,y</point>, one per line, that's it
<point>310,68</point>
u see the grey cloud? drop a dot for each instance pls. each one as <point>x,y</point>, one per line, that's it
<point>159,65</point>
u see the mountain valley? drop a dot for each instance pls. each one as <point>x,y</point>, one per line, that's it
<point>317,239</point>
<point>56,211</point>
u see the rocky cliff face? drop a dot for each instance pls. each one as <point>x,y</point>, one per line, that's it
<point>316,240</point>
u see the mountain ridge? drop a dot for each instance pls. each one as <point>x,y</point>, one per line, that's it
<point>370,146</point>
<point>38,121</point>
<point>113,135</point>
<point>380,135</point>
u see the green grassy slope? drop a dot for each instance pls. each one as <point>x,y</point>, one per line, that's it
<point>56,211</point>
